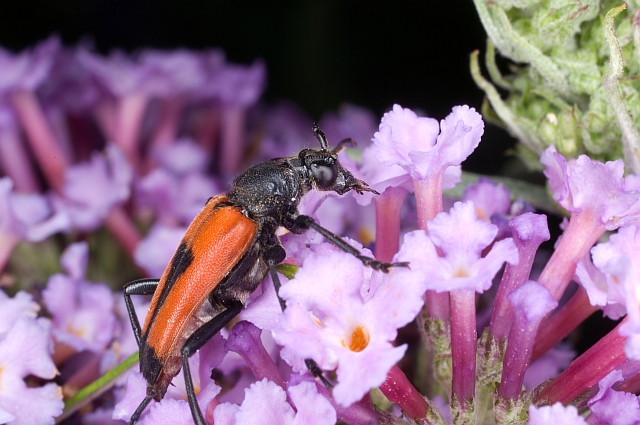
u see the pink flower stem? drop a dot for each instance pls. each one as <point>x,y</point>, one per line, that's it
<point>123,229</point>
<point>585,371</point>
<point>429,203</point>
<point>517,356</point>
<point>562,322</point>
<point>583,231</point>
<point>244,339</point>
<point>527,241</point>
<point>104,114</point>
<point>57,120</point>
<point>207,126</point>
<point>15,161</point>
<point>233,118</point>
<point>463,343</point>
<point>167,128</point>
<point>130,112</point>
<point>388,206</point>
<point>41,137</point>
<point>400,391</point>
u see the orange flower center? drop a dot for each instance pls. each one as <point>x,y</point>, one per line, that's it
<point>359,340</point>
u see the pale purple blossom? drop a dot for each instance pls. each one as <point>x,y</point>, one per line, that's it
<point>346,322</point>
<point>350,122</point>
<point>595,195</point>
<point>414,143</point>
<point>556,414</point>
<point>172,73</point>
<point>155,251</point>
<point>548,366</point>
<point>70,86</point>
<point>488,197</point>
<point>461,238</point>
<point>28,69</point>
<point>82,311</point>
<point>605,280</point>
<point>265,403</point>
<point>613,407</point>
<point>28,216</point>
<point>583,185</point>
<point>93,188</point>
<point>25,349</point>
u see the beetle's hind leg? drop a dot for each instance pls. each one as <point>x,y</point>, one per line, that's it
<point>194,343</point>
<point>274,256</point>
<point>138,287</point>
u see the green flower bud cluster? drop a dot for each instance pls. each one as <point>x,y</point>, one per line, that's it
<point>575,76</point>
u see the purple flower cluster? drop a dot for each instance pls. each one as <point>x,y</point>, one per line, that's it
<point>141,141</point>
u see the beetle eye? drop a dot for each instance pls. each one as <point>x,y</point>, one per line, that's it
<point>324,175</point>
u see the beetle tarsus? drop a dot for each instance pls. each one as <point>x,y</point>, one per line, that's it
<point>317,373</point>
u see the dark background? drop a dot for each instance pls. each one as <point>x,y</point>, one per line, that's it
<point>318,53</point>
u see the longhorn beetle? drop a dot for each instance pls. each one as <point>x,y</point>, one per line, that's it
<point>225,254</point>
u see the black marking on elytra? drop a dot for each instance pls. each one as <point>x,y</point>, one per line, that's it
<point>181,261</point>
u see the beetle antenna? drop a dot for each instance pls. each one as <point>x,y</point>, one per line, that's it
<point>324,144</point>
<point>341,146</point>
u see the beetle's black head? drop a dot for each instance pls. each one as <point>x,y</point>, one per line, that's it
<point>325,171</point>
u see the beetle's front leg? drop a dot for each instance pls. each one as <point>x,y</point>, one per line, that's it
<point>302,223</point>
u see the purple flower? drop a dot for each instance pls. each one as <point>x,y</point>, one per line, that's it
<point>25,349</point>
<point>28,216</point>
<point>173,408</point>
<point>178,189</point>
<point>556,414</point>
<point>345,321</point>
<point>548,366</point>
<point>82,311</point>
<point>351,122</point>
<point>608,279</point>
<point>119,74</point>
<point>172,73</point>
<point>93,188</point>
<point>614,407</point>
<point>28,69</point>
<point>584,185</point>
<point>240,85</point>
<point>617,260</point>
<point>414,143</point>
<point>461,238</point>
<point>595,195</point>
<point>489,198</point>
<point>531,303</point>
<point>69,85</point>
<point>155,251</point>
<point>265,403</point>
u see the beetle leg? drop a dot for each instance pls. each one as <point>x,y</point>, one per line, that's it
<point>139,410</point>
<point>138,287</point>
<point>274,256</point>
<point>194,343</point>
<point>304,222</point>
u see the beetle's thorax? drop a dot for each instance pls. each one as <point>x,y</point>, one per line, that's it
<point>269,189</point>
<point>274,188</point>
